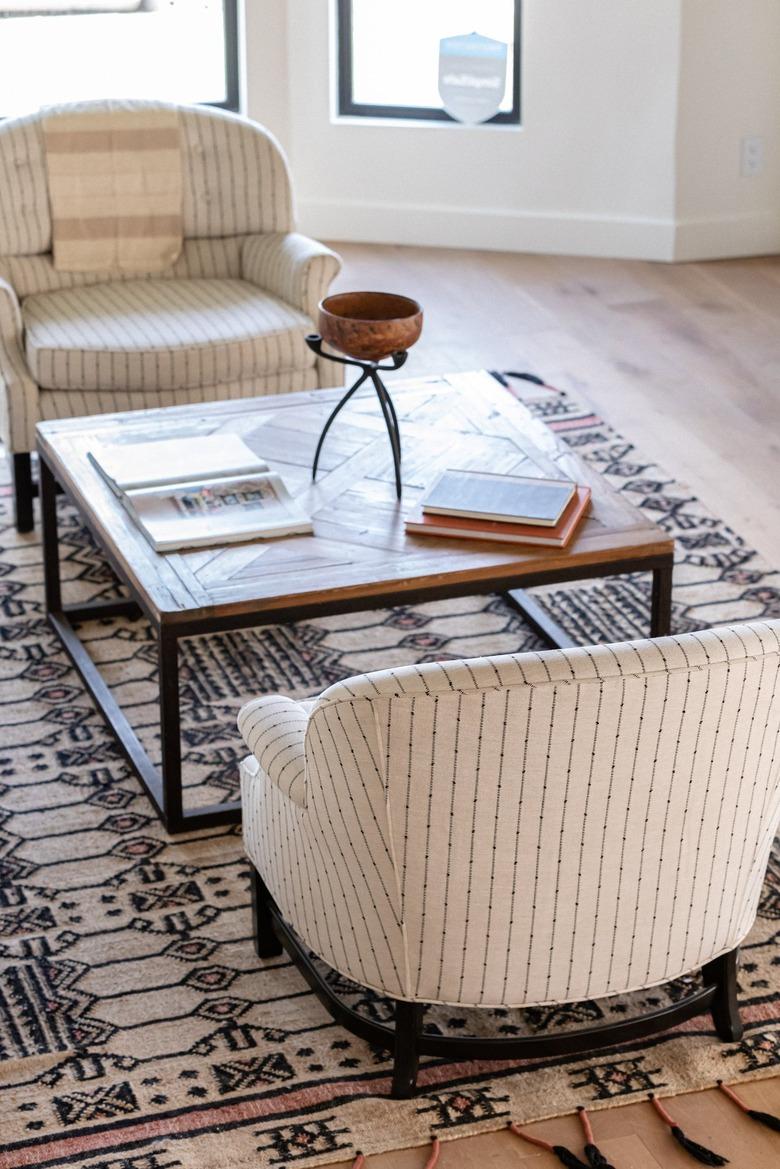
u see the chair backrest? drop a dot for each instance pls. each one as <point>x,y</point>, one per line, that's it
<point>236,183</point>
<point>555,826</point>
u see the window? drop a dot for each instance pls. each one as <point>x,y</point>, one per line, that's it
<point>55,51</point>
<point>389,54</point>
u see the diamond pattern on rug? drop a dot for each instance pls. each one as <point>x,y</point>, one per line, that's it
<point>469,1106</point>
<point>296,1142</point>
<point>621,1077</point>
<point>101,1104</point>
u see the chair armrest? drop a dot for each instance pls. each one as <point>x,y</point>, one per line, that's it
<point>274,730</point>
<point>20,411</point>
<point>291,266</point>
<point>10,313</point>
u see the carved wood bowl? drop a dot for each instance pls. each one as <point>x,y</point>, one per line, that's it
<point>370,325</point>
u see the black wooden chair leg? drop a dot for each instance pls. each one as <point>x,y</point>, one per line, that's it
<point>408,1025</point>
<point>23,492</point>
<point>267,945</point>
<point>722,973</point>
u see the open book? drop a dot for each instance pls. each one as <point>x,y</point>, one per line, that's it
<point>127,466</point>
<point>190,492</point>
<point>216,511</point>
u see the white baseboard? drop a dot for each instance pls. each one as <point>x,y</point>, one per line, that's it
<point>636,238</point>
<point>490,230</point>
<point>724,237</point>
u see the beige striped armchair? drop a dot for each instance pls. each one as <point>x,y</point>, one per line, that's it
<point>227,320</point>
<point>521,830</point>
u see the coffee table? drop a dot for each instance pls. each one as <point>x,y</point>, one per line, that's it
<point>359,556</point>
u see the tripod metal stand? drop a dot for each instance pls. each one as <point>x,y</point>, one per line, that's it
<point>370,372</point>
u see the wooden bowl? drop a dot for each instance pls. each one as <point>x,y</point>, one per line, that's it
<point>370,325</point>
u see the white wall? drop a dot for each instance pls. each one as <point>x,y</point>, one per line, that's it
<point>266,66</point>
<point>630,108</point>
<point>729,89</point>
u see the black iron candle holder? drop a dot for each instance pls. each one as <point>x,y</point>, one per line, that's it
<point>370,372</point>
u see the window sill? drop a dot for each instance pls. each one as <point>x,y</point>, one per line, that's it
<point>424,123</point>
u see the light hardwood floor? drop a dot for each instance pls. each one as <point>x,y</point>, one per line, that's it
<point>685,360</point>
<point>682,358</point>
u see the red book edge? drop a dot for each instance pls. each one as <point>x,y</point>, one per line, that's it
<point>460,527</point>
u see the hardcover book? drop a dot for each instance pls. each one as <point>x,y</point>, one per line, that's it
<point>485,495</point>
<point>464,528</point>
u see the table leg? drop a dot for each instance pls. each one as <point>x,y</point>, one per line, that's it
<point>163,785</point>
<point>170,730</point>
<point>539,619</point>
<point>661,600</point>
<point>50,536</point>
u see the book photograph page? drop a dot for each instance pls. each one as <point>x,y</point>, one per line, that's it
<point>203,500</point>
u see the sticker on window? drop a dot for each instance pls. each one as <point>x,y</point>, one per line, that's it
<point>472,76</point>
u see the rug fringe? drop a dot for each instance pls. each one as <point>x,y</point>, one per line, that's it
<point>698,1152</point>
<point>564,1155</point>
<point>434,1157</point>
<point>765,1118</point>
<point>596,1158</point>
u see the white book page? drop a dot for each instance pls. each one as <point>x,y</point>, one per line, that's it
<point>132,465</point>
<point>217,511</point>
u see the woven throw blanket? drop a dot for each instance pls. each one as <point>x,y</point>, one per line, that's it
<point>115,188</point>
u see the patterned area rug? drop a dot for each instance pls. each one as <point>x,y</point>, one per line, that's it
<point>137,1029</point>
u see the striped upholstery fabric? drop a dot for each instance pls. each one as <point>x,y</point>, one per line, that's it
<point>25,225</point>
<point>238,224</point>
<point>235,178</point>
<point>161,334</point>
<point>19,403</point>
<point>79,403</point>
<point>293,267</point>
<point>201,259</point>
<point>524,829</point>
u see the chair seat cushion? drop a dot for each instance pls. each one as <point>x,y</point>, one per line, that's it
<point>142,335</point>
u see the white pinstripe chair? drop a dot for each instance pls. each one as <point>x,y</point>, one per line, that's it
<point>227,320</point>
<point>521,830</point>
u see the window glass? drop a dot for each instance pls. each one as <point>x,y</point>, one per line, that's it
<point>391,59</point>
<point>71,50</point>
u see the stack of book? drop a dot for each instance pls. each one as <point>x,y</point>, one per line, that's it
<point>196,491</point>
<point>513,509</point>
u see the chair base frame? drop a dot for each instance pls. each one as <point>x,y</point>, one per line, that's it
<point>408,1041</point>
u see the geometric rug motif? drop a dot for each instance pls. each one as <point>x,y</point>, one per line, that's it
<point>137,1028</point>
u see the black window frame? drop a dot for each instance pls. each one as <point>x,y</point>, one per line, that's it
<point>232,71</point>
<point>349,108</point>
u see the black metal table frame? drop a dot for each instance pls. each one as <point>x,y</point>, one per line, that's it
<point>163,785</point>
